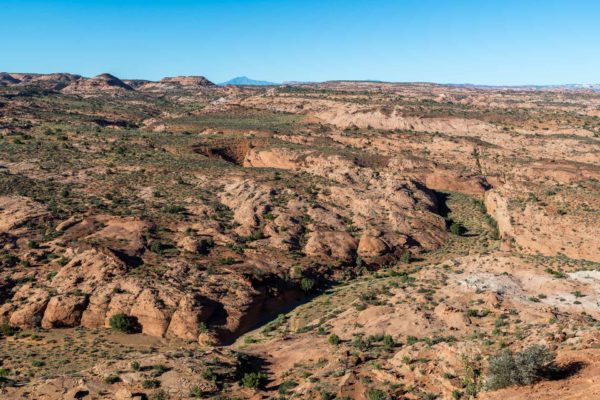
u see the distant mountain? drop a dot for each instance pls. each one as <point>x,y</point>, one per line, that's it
<point>245,81</point>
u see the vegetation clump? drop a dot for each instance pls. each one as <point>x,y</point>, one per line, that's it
<point>334,339</point>
<point>528,366</point>
<point>124,323</point>
<point>254,380</point>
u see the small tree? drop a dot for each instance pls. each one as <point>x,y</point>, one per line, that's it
<point>307,284</point>
<point>124,323</point>
<point>406,257</point>
<point>254,380</point>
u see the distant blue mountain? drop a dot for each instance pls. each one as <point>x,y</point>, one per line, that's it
<point>244,80</point>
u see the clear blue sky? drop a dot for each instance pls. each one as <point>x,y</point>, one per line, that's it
<point>460,41</point>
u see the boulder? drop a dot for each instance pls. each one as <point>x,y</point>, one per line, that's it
<point>371,246</point>
<point>186,319</point>
<point>339,245</point>
<point>153,318</point>
<point>64,311</point>
<point>28,315</point>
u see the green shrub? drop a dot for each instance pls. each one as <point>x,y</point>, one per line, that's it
<point>406,257</point>
<point>150,384</point>
<point>226,261</point>
<point>111,379</point>
<point>376,394</point>
<point>286,386</point>
<point>196,392</point>
<point>307,284</point>
<point>273,325</point>
<point>209,375</point>
<point>410,340</point>
<point>124,323</point>
<point>254,380</point>
<point>327,396</point>
<point>456,229</point>
<point>7,330</point>
<point>388,342</point>
<point>159,369</point>
<point>334,339</point>
<point>175,209</point>
<point>202,327</point>
<point>159,395</point>
<point>522,368</point>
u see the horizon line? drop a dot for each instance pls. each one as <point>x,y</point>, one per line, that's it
<point>490,85</point>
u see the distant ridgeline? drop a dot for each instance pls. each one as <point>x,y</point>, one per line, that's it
<point>245,81</point>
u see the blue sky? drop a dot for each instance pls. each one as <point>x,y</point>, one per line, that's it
<point>460,41</point>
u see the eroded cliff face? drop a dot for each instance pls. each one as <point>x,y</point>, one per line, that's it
<point>558,221</point>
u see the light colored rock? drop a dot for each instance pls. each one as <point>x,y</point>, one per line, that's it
<point>63,311</point>
<point>340,245</point>
<point>153,318</point>
<point>370,246</point>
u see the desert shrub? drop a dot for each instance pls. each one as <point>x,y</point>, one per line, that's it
<point>273,325</point>
<point>456,229</point>
<point>406,257</point>
<point>202,327</point>
<point>226,261</point>
<point>209,375</point>
<point>254,380</point>
<point>111,379</point>
<point>150,384</point>
<point>327,396</point>
<point>159,369</point>
<point>7,330</point>
<point>123,323</point>
<point>376,394</point>
<point>307,284</point>
<point>159,395</point>
<point>175,209</point>
<point>410,340</point>
<point>556,274</point>
<point>388,342</point>
<point>286,386</point>
<point>334,339</point>
<point>135,366</point>
<point>8,261</point>
<point>360,343</point>
<point>522,368</point>
<point>494,231</point>
<point>196,392</point>
<point>156,247</point>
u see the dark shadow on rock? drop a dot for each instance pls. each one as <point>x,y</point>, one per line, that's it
<point>565,371</point>
<point>81,394</point>
<point>129,260</point>
<point>442,207</point>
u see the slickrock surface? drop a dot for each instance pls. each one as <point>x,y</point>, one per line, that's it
<point>345,239</point>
